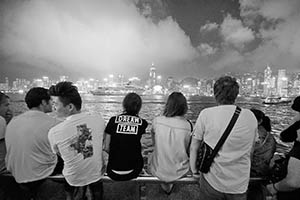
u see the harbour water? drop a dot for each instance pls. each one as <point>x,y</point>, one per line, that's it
<point>153,106</point>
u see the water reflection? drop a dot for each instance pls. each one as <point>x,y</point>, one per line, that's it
<point>153,106</point>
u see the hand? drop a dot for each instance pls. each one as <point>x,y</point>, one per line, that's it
<point>271,189</point>
<point>298,135</point>
<point>196,175</point>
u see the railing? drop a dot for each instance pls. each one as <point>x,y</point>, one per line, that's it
<point>142,180</point>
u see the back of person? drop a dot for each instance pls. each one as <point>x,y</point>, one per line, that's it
<point>29,156</point>
<point>230,170</point>
<point>5,117</point>
<point>262,154</point>
<point>125,146</point>
<point>2,144</point>
<point>122,140</point>
<point>79,141</point>
<point>170,159</point>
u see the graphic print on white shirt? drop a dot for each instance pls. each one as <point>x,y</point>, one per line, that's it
<point>82,143</point>
<point>128,124</point>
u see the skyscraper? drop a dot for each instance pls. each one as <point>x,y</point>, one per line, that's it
<point>152,75</point>
<point>267,81</point>
<point>282,83</point>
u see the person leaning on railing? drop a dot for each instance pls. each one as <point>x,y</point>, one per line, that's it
<point>289,187</point>
<point>229,173</point>
<point>264,150</point>
<point>171,135</point>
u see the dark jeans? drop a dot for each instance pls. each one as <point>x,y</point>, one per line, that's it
<point>96,189</point>
<point>256,191</point>
<point>30,189</point>
<point>9,188</point>
<point>209,193</point>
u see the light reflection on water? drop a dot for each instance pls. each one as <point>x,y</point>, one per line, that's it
<point>153,106</point>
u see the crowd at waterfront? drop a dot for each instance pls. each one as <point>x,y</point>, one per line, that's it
<point>169,161</point>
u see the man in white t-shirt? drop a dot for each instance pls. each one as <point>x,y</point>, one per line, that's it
<point>229,173</point>
<point>78,139</point>
<point>29,156</point>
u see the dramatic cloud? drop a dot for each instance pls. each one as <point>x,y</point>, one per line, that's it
<point>206,49</point>
<point>235,33</point>
<point>98,35</point>
<point>279,30</point>
<point>209,27</point>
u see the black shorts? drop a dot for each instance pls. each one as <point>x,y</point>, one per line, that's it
<point>124,177</point>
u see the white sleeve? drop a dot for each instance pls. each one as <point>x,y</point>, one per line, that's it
<point>52,142</point>
<point>2,127</point>
<point>199,128</point>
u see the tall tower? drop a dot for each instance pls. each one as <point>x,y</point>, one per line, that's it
<point>152,75</point>
<point>282,82</point>
<point>267,80</point>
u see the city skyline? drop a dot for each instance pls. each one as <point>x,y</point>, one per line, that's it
<point>267,83</point>
<point>182,38</point>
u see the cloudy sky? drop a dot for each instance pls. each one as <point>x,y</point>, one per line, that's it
<point>94,38</point>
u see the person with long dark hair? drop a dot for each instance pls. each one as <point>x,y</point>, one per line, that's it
<point>171,135</point>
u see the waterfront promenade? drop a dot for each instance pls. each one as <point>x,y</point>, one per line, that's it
<point>144,187</point>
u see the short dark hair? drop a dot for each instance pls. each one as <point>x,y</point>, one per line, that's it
<point>35,96</point>
<point>3,96</point>
<point>132,103</point>
<point>226,90</point>
<point>176,105</point>
<point>67,93</point>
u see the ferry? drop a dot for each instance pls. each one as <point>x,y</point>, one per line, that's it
<point>120,90</point>
<point>277,100</point>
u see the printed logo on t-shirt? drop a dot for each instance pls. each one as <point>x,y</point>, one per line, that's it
<point>82,143</point>
<point>127,129</point>
<point>128,124</point>
<point>128,119</point>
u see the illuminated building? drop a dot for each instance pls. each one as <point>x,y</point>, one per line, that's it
<point>152,76</point>
<point>282,83</point>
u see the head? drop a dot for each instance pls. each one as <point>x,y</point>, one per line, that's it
<point>226,90</point>
<point>262,119</point>
<point>66,99</point>
<point>132,103</point>
<point>38,98</point>
<point>296,104</point>
<point>4,105</point>
<point>176,105</point>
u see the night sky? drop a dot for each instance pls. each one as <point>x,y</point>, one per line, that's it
<point>94,38</point>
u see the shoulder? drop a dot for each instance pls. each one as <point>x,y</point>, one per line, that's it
<point>58,127</point>
<point>112,119</point>
<point>159,118</point>
<point>248,114</point>
<point>94,116</point>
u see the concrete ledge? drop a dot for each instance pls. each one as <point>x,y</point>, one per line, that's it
<point>144,178</point>
<point>145,187</point>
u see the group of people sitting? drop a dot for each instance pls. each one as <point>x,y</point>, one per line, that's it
<point>35,145</point>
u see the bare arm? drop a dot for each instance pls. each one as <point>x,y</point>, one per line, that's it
<point>152,137</point>
<point>291,181</point>
<point>195,144</point>
<point>106,142</point>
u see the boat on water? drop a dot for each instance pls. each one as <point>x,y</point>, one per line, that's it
<point>119,90</point>
<point>276,100</point>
